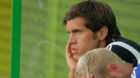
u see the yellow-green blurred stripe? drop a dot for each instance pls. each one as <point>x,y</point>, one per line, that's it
<point>5,37</point>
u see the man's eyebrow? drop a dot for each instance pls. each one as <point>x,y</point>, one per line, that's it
<point>75,30</point>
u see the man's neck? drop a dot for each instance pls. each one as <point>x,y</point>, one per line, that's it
<point>102,44</point>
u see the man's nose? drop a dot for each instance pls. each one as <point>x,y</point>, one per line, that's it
<point>72,38</point>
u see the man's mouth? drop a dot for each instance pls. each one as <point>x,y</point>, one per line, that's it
<point>74,50</point>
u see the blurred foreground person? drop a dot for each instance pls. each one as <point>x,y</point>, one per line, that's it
<point>103,63</point>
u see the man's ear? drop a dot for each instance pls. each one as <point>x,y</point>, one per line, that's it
<point>113,69</point>
<point>102,33</point>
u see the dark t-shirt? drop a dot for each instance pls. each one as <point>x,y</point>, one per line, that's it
<point>126,49</point>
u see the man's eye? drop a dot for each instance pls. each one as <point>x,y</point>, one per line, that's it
<point>79,31</point>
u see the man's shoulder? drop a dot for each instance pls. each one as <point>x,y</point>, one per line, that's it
<point>126,49</point>
<point>125,40</point>
<point>136,72</point>
<point>120,41</point>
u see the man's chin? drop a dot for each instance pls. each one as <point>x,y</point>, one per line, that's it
<point>76,58</point>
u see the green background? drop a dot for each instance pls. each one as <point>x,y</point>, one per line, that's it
<point>5,38</point>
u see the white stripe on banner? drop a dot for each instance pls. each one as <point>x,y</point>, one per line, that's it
<point>126,46</point>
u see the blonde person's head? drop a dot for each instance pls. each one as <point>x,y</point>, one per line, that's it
<point>95,62</point>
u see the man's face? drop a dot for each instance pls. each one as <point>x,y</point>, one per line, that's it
<point>81,38</point>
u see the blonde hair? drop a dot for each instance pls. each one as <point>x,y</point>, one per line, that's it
<point>96,61</point>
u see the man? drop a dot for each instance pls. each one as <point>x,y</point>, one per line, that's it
<point>92,24</point>
<point>103,63</point>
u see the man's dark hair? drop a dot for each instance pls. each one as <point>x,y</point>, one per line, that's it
<point>96,14</point>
